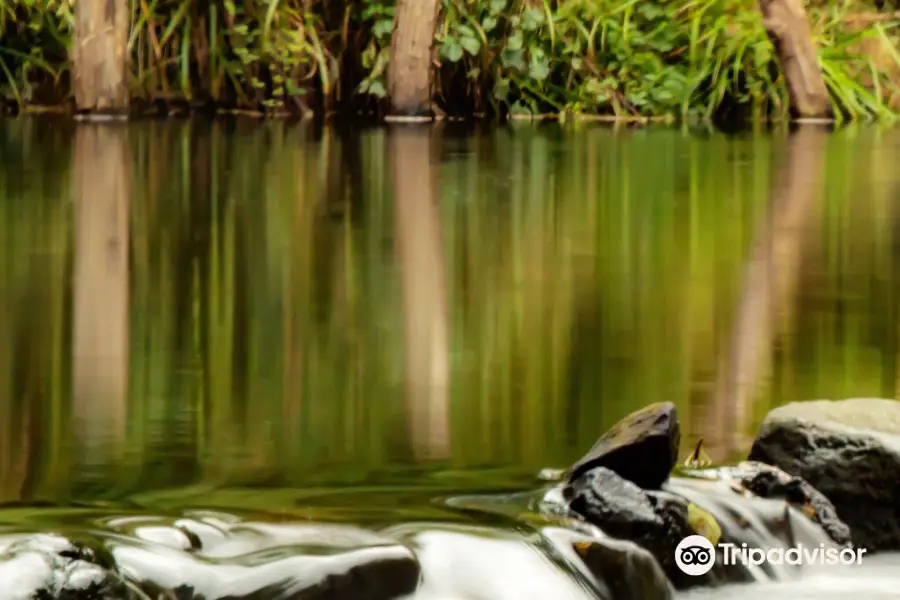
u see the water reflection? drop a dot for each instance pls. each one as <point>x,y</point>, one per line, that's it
<point>421,257</point>
<point>769,289</point>
<point>100,338</point>
<point>281,305</point>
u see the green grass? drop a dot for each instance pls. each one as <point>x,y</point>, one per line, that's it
<point>689,59</point>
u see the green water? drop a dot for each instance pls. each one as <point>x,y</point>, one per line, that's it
<point>268,316</point>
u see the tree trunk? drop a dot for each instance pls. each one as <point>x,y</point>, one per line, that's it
<point>788,28</point>
<point>409,72</point>
<point>100,346</point>
<point>421,253</point>
<point>99,56</point>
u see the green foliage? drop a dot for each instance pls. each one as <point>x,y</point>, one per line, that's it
<point>684,59</point>
<point>627,58</point>
<point>34,41</point>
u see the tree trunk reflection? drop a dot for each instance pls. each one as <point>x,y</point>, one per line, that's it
<point>420,250</point>
<point>100,353</point>
<point>770,282</point>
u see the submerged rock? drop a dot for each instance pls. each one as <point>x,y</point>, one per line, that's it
<point>45,566</point>
<point>642,447</point>
<point>277,562</point>
<point>849,450</point>
<point>467,562</point>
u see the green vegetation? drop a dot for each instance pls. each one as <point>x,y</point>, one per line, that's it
<point>655,58</point>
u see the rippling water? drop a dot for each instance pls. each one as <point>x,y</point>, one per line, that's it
<point>343,324</point>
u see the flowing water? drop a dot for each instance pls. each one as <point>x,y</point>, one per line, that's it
<point>228,332</point>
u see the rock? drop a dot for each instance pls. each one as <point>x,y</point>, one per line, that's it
<point>460,561</point>
<point>767,481</point>
<point>44,566</point>
<point>655,520</point>
<point>848,450</point>
<point>642,447</point>
<point>672,509</point>
<point>617,569</point>
<point>276,561</point>
<point>617,506</point>
<point>773,510</point>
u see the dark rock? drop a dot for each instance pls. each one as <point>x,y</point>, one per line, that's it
<point>767,481</point>
<point>642,447</point>
<point>656,521</point>
<point>617,569</point>
<point>849,451</point>
<point>44,566</point>
<point>618,506</point>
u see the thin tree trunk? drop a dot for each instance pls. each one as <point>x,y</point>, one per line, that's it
<point>787,24</point>
<point>769,285</point>
<point>100,344</point>
<point>410,70</point>
<point>99,56</point>
<point>420,250</point>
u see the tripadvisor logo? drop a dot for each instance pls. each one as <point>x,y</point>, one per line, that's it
<point>695,555</point>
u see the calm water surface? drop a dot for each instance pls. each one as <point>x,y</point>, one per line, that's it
<point>264,317</point>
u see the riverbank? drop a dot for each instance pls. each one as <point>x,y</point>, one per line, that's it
<point>568,59</point>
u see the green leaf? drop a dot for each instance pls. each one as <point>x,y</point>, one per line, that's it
<point>704,523</point>
<point>520,109</point>
<point>594,86</point>
<point>539,68</point>
<point>383,28</point>
<point>662,96</point>
<point>472,45</point>
<point>451,50</point>
<point>489,23</point>
<point>376,88</point>
<point>513,59</point>
<point>532,19</point>
<point>293,90</point>
<point>465,31</point>
<point>638,98</point>
<point>501,89</point>
<point>650,10</point>
<point>497,6</point>
<point>515,41</point>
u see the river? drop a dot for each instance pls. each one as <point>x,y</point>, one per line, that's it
<point>284,322</point>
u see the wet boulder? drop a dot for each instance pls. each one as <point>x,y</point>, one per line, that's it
<point>771,482</point>
<point>642,447</point>
<point>44,566</point>
<point>849,450</point>
<point>655,520</point>
<point>616,505</point>
<point>616,569</point>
